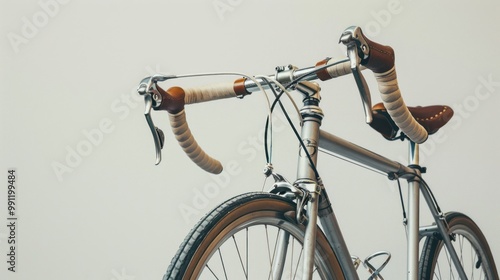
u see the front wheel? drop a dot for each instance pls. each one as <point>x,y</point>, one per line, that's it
<point>251,236</point>
<point>471,247</point>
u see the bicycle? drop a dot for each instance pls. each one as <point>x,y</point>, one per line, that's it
<point>297,218</point>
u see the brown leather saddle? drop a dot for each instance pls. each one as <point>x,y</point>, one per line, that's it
<point>432,118</point>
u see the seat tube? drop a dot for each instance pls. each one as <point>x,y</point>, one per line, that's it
<point>413,215</point>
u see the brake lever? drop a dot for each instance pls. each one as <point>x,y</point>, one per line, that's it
<point>152,99</point>
<point>357,51</point>
<point>158,136</point>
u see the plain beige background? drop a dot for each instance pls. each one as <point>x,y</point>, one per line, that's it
<point>91,202</point>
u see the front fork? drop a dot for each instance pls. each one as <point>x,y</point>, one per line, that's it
<point>318,204</point>
<point>307,177</point>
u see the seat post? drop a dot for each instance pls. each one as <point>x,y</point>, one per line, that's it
<point>414,214</point>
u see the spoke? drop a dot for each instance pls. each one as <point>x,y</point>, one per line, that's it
<point>470,256</point>
<point>270,276</point>
<point>285,256</point>
<point>246,241</point>
<point>222,262</point>
<point>291,259</point>
<point>274,251</point>
<point>298,263</point>
<point>207,266</point>
<point>280,253</point>
<point>473,262</point>
<point>461,243</point>
<point>239,256</point>
<point>438,273</point>
<point>449,260</point>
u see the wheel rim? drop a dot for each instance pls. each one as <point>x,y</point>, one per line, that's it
<point>472,260</point>
<point>247,248</point>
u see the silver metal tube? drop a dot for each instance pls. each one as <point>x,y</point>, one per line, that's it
<point>331,228</point>
<point>280,255</point>
<point>310,136</point>
<point>443,230</point>
<point>306,176</point>
<point>348,151</point>
<point>414,216</point>
<point>310,133</point>
<point>310,235</point>
<point>283,77</point>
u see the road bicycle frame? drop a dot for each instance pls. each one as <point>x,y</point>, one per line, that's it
<point>308,188</point>
<point>318,204</point>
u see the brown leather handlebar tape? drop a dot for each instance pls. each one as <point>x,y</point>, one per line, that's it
<point>323,74</point>
<point>239,87</point>
<point>381,58</point>
<point>172,99</point>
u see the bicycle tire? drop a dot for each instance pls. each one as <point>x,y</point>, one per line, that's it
<point>235,218</point>
<point>469,240</point>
